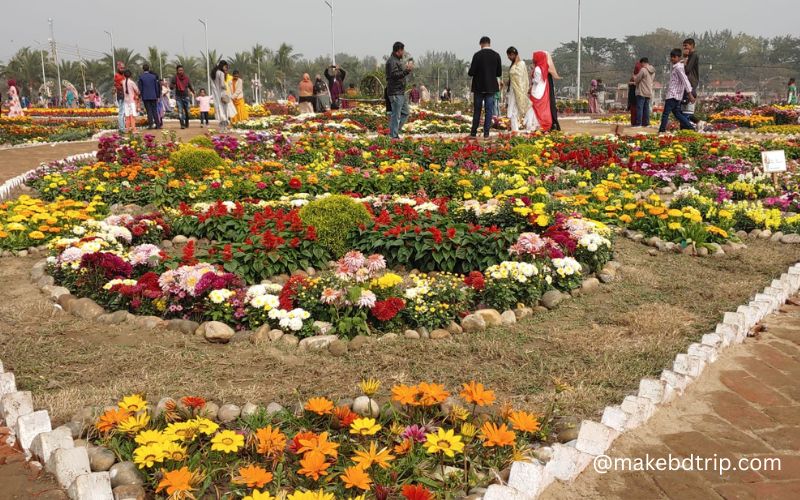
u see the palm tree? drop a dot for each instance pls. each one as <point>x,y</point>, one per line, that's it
<point>127,56</point>
<point>25,67</point>
<point>156,58</point>
<point>242,62</point>
<point>285,58</point>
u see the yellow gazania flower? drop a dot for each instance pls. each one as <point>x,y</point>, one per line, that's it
<point>133,403</point>
<point>258,495</point>
<point>444,441</point>
<point>364,427</point>
<point>134,423</point>
<point>370,386</point>
<point>310,495</point>
<point>206,426</point>
<point>227,441</point>
<point>468,430</point>
<point>147,456</point>
<point>173,451</point>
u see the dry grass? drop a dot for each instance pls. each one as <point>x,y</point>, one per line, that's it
<point>601,345</point>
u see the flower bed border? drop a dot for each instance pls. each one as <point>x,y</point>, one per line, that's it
<point>527,480</point>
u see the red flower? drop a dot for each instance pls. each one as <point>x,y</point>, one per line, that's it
<point>475,280</point>
<point>451,233</point>
<point>416,492</point>
<point>289,291</point>
<point>227,252</point>
<point>385,310</point>
<point>188,254</point>
<point>295,183</point>
<point>437,235</point>
<point>194,402</point>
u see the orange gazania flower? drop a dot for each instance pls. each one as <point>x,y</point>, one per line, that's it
<point>366,458</point>
<point>416,492</point>
<point>178,483</point>
<point>314,465</point>
<point>271,442</point>
<point>403,448</point>
<point>406,394</point>
<point>355,477</point>
<point>319,444</point>
<point>109,420</point>
<point>524,421</point>
<point>194,402</point>
<point>476,394</point>
<point>253,476</point>
<point>345,416</point>
<point>320,406</point>
<point>295,445</point>
<point>493,435</point>
<point>432,394</point>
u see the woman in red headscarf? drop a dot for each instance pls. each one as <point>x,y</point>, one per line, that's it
<point>540,91</point>
<point>14,106</point>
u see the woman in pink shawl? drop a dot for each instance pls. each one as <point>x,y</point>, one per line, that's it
<point>540,91</point>
<point>14,106</point>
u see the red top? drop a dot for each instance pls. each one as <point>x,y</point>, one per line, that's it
<point>118,79</point>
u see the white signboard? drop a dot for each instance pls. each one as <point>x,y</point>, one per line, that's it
<point>773,161</point>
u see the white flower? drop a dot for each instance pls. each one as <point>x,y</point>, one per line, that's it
<point>367,299</point>
<point>220,296</point>
<point>79,230</point>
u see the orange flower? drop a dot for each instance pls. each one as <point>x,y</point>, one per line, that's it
<point>194,402</point>
<point>314,465</point>
<point>344,416</point>
<point>271,442</point>
<point>403,448</point>
<point>476,394</point>
<point>524,421</point>
<point>295,445</point>
<point>320,406</point>
<point>432,394</point>
<point>319,444</point>
<point>416,492</point>
<point>253,476</point>
<point>355,477</point>
<point>493,435</point>
<point>366,459</point>
<point>405,394</point>
<point>178,483</point>
<point>109,420</point>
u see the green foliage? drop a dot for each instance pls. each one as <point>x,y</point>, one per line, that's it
<point>202,141</point>
<point>334,218</point>
<point>190,161</point>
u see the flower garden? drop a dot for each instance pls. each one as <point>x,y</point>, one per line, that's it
<point>313,231</point>
<point>24,130</point>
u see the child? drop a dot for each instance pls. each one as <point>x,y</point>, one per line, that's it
<point>131,92</point>
<point>678,87</point>
<point>204,101</point>
<point>791,93</point>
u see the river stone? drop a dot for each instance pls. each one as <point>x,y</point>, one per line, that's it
<point>776,237</point>
<point>54,292</point>
<point>290,340</point>
<point>552,298</point>
<point>490,316</point>
<point>522,312</point>
<point>439,333</point>
<point>338,347</point>
<point>765,234</point>
<point>45,280</point>
<point>249,409</point>
<point>129,492</point>
<point>454,328</point>
<point>209,411</point>
<point>148,322</point>
<point>567,428</point>
<point>228,413</point>
<point>412,334</point>
<point>702,252</point>
<point>125,473</point>
<point>183,325</point>
<point>180,239</point>
<point>114,318</point>
<point>388,336</point>
<point>790,238</point>
<point>543,454</point>
<point>22,253</point>
<point>508,318</point>
<point>742,234</point>
<point>366,407</point>
<point>317,343</point>
<point>423,332</point>
<point>274,408</point>
<point>358,342</point>
<point>590,285</point>
<point>473,323</point>
<point>605,276</point>
<point>161,406</point>
<point>85,308</point>
<point>214,331</point>
<point>261,335</point>
<point>101,458</point>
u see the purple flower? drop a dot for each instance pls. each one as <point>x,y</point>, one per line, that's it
<point>415,432</point>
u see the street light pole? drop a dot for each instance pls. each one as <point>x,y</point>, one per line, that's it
<point>329,3</point>
<point>55,58</point>
<point>113,55</point>
<point>208,61</point>
<point>580,49</point>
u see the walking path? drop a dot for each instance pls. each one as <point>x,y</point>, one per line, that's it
<point>744,406</point>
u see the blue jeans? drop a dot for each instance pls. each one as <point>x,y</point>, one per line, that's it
<point>674,106</point>
<point>485,101</point>
<point>182,104</point>
<point>399,116</point>
<point>643,111</point>
<point>121,117</point>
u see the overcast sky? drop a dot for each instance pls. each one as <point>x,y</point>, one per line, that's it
<point>370,26</point>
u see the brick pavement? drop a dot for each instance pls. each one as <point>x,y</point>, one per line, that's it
<point>746,405</point>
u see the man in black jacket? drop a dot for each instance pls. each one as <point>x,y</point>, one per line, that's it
<point>485,70</point>
<point>692,68</point>
<point>396,73</point>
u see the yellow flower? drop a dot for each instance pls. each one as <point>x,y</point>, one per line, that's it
<point>364,427</point>
<point>134,423</point>
<point>227,441</point>
<point>149,437</point>
<point>468,430</point>
<point>310,495</point>
<point>173,451</point>
<point>133,403</point>
<point>147,456</point>
<point>674,225</point>
<point>36,235</point>
<point>367,458</point>
<point>258,495</point>
<point>444,441</point>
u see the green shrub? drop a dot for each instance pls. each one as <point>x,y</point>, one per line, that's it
<point>525,152</point>
<point>190,160</point>
<point>202,141</point>
<point>335,217</point>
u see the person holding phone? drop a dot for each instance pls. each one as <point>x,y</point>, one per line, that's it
<point>396,73</point>
<point>335,76</point>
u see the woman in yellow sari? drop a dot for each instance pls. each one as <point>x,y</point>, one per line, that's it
<point>237,96</point>
<point>519,104</point>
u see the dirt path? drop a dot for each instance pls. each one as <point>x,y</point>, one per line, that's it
<point>745,406</point>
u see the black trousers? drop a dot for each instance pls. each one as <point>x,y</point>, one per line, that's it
<point>151,106</point>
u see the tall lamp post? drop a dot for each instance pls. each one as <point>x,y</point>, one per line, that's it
<point>580,49</point>
<point>113,55</point>
<point>55,58</point>
<point>208,61</point>
<point>329,3</point>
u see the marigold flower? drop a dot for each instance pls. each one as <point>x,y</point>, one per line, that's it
<point>253,476</point>
<point>271,441</point>
<point>355,477</point>
<point>475,393</point>
<point>444,441</point>
<point>227,441</point>
<point>314,465</point>
<point>365,427</point>
<point>133,403</point>
<point>416,492</point>
<point>524,421</point>
<point>492,435</point>
<point>320,406</point>
<point>368,458</point>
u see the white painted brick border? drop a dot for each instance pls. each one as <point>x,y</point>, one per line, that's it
<point>528,480</point>
<point>8,186</point>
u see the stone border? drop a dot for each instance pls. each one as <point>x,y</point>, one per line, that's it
<point>528,480</point>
